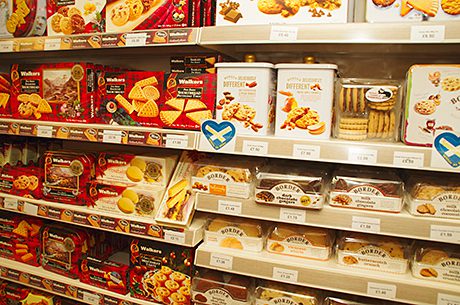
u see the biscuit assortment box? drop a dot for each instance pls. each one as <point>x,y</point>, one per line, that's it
<point>5,95</point>
<point>367,109</point>
<point>366,189</point>
<point>21,18</point>
<point>271,293</point>
<point>372,252</point>
<point>21,180</point>
<point>431,102</point>
<point>194,64</point>
<point>15,294</point>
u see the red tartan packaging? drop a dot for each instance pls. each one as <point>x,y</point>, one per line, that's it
<point>13,294</point>
<point>130,98</point>
<point>189,99</point>
<point>160,272</point>
<point>5,96</point>
<point>66,175</point>
<point>21,180</point>
<point>63,92</point>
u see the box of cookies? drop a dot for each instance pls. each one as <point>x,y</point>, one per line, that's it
<point>5,95</point>
<point>235,233</point>
<point>63,92</point>
<point>246,96</point>
<point>367,109</point>
<point>291,185</point>
<point>72,17</point>
<point>189,100</point>
<point>271,293</point>
<point>434,196</point>
<point>300,241</point>
<point>20,18</point>
<point>432,102</point>
<point>21,180</point>
<point>367,189</point>
<point>437,262</point>
<point>372,252</point>
<point>304,100</point>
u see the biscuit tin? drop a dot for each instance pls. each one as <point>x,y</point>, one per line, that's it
<point>22,18</point>
<point>304,100</point>
<point>271,293</point>
<point>432,102</point>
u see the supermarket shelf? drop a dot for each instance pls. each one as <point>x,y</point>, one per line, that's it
<point>83,216</point>
<point>325,275</point>
<point>401,225</point>
<point>37,277</point>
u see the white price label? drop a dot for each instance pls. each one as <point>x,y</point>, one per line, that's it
<point>427,33</point>
<point>445,233</point>
<point>91,298</point>
<point>385,291</point>
<point>285,275</point>
<point>408,159</point>
<point>362,156</point>
<point>176,141</point>
<point>112,136</point>
<point>30,208</point>
<point>307,152</point>
<point>10,203</point>
<point>293,215</point>
<point>366,224</point>
<point>229,207</point>
<point>255,147</point>
<point>6,46</point>
<point>175,237</point>
<point>278,33</point>
<point>447,299</point>
<point>52,44</point>
<point>44,131</point>
<point>136,39</point>
<point>221,260</point>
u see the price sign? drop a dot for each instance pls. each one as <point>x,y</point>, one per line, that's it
<point>30,208</point>
<point>366,224</point>
<point>10,203</point>
<point>293,215</point>
<point>307,152</point>
<point>176,141</point>
<point>385,291</point>
<point>408,159</point>
<point>175,237</point>
<point>91,298</point>
<point>255,147</point>
<point>136,39</point>
<point>221,260</point>
<point>6,46</point>
<point>285,275</point>
<point>445,233</point>
<point>112,136</point>
<point>427,33</point>
<point>229,207</point>
<point>446,299</point>
<point>52,44</point>
<point>280,33</point>
<point>362,156</point>
<point>44,131</point>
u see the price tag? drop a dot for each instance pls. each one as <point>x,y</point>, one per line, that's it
<point>175,237</point>
<point>447,299</point>
<point>6,46</point>
<point>52,44</point>
<point>44,131</point>
<point>307,152</point>
<point>229,207</point>
<point>285,275</point>
<point>380,290</point>
<point>366,224</point>
<point>112,136</point>
<point>30,209</point>
<point>136,39</point>
<point>427,33</point>
<point>408,159</point>
<point>278,33</point>
<point>90,298</point>
<point>10,203</point>
<point>362,156</point>
<point>176,141</point>
<point>293,215</point>
<point>221,260</point>
<point>445,233</point>
<point>255,147</point>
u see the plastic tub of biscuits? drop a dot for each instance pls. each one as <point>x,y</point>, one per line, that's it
<point>437,262</point>
<point>271,293</point>
<point>235,233</point>
<point>372,252</point>
<point>367,189</point>
<point>367,109</point>
<point>300,241</point>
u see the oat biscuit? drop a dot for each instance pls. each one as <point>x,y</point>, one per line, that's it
<point>425,107</point>
<point>353,128</point>
<point>451,7</point>
<point>451,83</point>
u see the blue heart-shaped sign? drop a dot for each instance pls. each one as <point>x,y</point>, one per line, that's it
<point>448,146</point>
<point>218,134</point>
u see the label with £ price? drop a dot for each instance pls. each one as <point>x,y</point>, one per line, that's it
<point>293,215</point>
<point>363,156</point>
<point>112,136</point>
<point>136,39</point>
<point>174,237</point>
<point>255,147</point>
<point>408,159</point>
<point>427,33</point>
<point>447,299</point>
<point>385,291</point>
<point>445,233</point>
<point>307,152</point>
<point>221,260</point>
<point>229,207</point>
<point>279,33</point>
<point>52,44</point>
<point>176,141</point>
<point>285,275</point>
<point>90,298</point>
<point>44,131</point>
<point>6,46</point>
<point>10,203</point>
<point>366,224</point>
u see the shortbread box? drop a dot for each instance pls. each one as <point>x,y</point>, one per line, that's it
<point>290,185</point>
<point>304,100</point>
<point>246,96</point>
<point>437,262</point>
<point>300,241</point>
<point>372,252</point>
<point>22,18</point>
<point>432,102</point>
<point>278,12</point>
<point>434,196</point>
<point>5,95</point>
<point>377,190</point>
<point>271,293</point>
<point>235,233</point>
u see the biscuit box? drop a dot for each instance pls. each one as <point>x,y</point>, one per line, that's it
<point>372,252</point>
<point>432,102</point>
<point>278,12</point>
<point>246,96</point>
<point>160,272</point>
<point>437,262</point>
<point>21,18</point>
<point>271,293</point>
<point>211,287</point>
<point>130,98</point>
<point>66,17</point>
<point>63,92</point>
<point>21,180</point>
<point>5,95</point>
<point>189,100</point>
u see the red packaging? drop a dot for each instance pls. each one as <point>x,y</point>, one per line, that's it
<point>63,92</point>
<point>13,294</point>
<point>21,180</point>
<point>130,98</point>
<point>5,96</point>
<point>189,99</point>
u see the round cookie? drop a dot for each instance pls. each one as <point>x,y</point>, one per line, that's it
<point>21,183</point>
<point>73,11</point>
<point>394,249</point>
<point>66,25</point>
<point>55,22</point>
<point>383,3</point>
<point>120,14</point>
<point>134,173</point>
<point>126,205</point>
<point>136,8</point>
<point>425,107</point>
<point>33,183</point>
<point>451,83</point>
<point>130,194</point>
<point>270,6</point>
<point>433,256</point>
<point>451,7</point>
<point>78,24</point>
